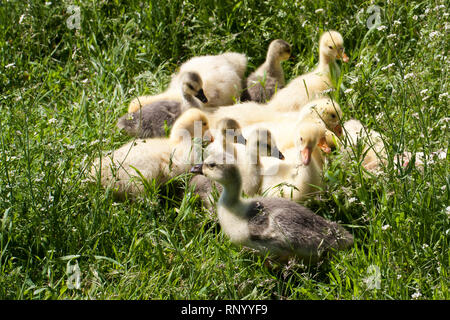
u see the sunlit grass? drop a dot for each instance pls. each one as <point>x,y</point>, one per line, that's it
<point>62,91</point>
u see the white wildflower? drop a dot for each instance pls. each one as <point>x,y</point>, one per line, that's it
<point>52,121</point>
<point>349,90</point>
<point>351,200</point>
<point>388,66</point>
<point>319,10</point>
<point>423,91</point>
<point>443,95</point>
<point>427,10</point>
<point>385,227</point>
<point>21,18</point>
<point>409,75</point>
<point>424,246</point>
<point>426,98</point>
<point>392,35</point>
<point>416,295</point>
<point>10,65</point>
<point>434,34</point>
<point>381,28</point>
<point>415,17</point>
<point>447,210</point>
<point>397,22</point>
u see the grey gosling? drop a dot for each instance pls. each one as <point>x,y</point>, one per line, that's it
<point>269,77</point>
<point>229,130</point>
<point>155,119</point>
<point>274,226</point>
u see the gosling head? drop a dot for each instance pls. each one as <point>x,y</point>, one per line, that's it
<point>309,136</point>
<point>327,111</point>
<point>218,169</point>
<point>193,123</point>
<point>264,144</point>
<point>279,49</point>
<point>332,46</point>
<point>192,84</point>
<point>230,128</point>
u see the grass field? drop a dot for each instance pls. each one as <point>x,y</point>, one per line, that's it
<point>65,81</point>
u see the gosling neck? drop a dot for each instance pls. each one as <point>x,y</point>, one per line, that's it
<point>189,101</point>
<point>324,62</point>
<point>231,194</point>
<point>274,64</point>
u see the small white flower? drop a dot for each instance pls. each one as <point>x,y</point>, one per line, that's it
<point>424,246</point>
<point>351,200</point>
<point>385,227</point>
<point>52,121</point>
<point>319,10</point>
<point>434,34</point>
<point>399,276</point>
<point>10,65</point>
<point>415,17</point>
<point>397,22</point>
<point>409,75</point>
<point>443,95</point>
<point>447,210</point>
<point>426,98</point>
<point>349,90</point>
<point>392,35</point>
<point>48,3</point>
<point>21,18</point>
<point>416,295</point>
<point>427,10</point>
<point>388,66</point>
<point>381,28</point>
<point>423,91</point>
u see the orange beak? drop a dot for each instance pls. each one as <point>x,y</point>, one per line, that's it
<point>323,145</point>
<point>344,57</point>
<point>208,137</point>
<point>338,130</point>
<point>306,156</point>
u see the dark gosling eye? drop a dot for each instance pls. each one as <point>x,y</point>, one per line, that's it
<point>330,47</point>
<point>211,165</point>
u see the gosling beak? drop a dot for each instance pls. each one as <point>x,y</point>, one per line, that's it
<point>344,57</point>
<point>323,145</point>
<point>306,156</point>
<point>208,137</point>
<point>197,169</point>
<point>338,130</point>
<point>276,153</point>
<point>240,139</point>
<point>201,96</point>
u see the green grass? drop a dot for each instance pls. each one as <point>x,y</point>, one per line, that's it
<point>62,91</point>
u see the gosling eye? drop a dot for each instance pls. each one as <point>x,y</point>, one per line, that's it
<point>211,165</point>
<point>190,87</point>
<point>330,47</point>
<point>333,116</point>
